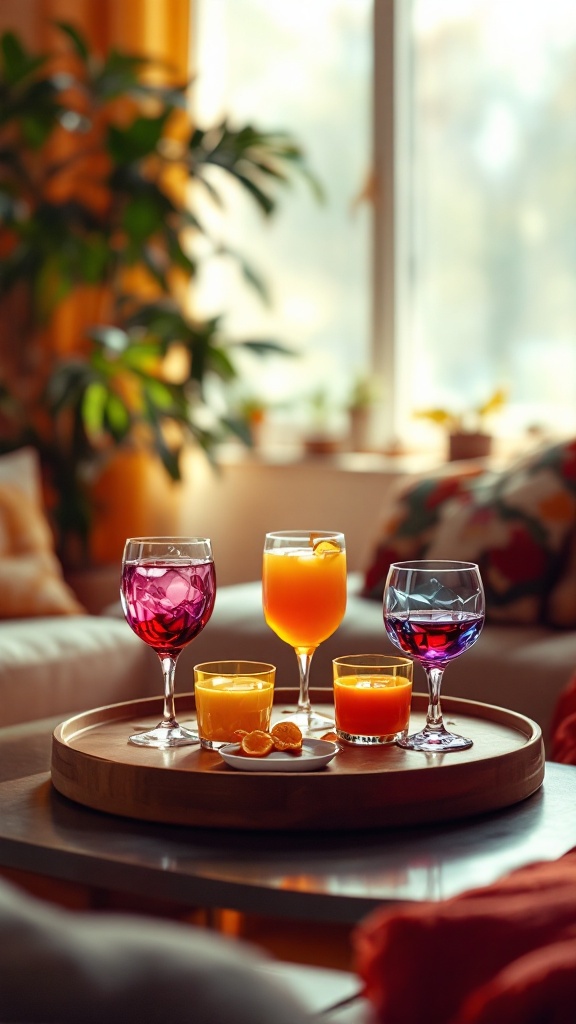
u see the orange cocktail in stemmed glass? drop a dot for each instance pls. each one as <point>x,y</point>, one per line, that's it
<point>304,600</point>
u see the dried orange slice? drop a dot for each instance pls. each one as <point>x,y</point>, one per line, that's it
<point>239,733</point>
<point>257,743</point>
<point>286,736</point>
<point>332,736</point>
<point>325,547</point>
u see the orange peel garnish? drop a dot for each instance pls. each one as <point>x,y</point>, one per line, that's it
<point>325,547</point>
<point>257,743</point>
<point>286,736</point>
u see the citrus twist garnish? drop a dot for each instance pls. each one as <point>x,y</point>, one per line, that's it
<point>257,743</point>
<point>325,547</point>
<point>286,736</point>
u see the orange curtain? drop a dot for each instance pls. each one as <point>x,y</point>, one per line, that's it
<point>160,28</point>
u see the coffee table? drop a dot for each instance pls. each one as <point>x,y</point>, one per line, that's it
<point>324,876</point>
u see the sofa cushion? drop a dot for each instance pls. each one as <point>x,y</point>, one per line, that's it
<point>563,725</point>
<point>31,581</point>
<point>412,519</point>
<point>511,947</point>
<point>22,468</point>
<point>561,608</point>
<point>59,665</point>
<point>519,526</point>
<point>95,966</point>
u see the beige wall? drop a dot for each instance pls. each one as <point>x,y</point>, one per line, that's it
<point>250,496</point>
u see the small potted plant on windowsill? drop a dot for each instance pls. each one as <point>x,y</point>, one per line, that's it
<point>468,436</point>
<point>363,398</point>
<point>321,436</point>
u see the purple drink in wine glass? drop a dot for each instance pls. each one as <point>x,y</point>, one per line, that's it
<point>167,604</point>
<point>167,591</point>
<point>434,611</point>
<point>435,639</point>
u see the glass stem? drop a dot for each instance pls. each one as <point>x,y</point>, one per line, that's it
<point>434,719</point>
<point>304,659</point>
<point>168,671</point>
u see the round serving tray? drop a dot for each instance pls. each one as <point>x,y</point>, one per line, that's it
<point>363,787</point>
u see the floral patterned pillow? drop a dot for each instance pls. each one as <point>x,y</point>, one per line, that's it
<point>561,605</point>
<point>520,526</point>
<point>411,523</point>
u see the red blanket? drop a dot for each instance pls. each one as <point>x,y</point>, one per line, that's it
<point>563,728</point>
<point>503,954</point>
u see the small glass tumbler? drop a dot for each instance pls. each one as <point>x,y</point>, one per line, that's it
<point>231,695</point>
<point>372,697</point>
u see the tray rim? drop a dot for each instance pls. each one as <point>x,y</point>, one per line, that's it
<point>505,717</point>
<point>253,812</point>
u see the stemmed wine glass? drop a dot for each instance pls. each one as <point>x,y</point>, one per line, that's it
<point>167,592</point>
<point>434,611</point>
<point>304,600</point>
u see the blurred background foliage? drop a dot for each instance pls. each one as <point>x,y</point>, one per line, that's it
<point>103,178</point>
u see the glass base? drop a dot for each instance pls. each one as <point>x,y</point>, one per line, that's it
<point>359,740</point>
<point>310,722</point>
<point>164,736</point>
<point>433,741</point>
<point>215,744</point>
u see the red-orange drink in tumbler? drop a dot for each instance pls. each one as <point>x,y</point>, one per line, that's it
<point>304,593</point>
<point>372,696</point>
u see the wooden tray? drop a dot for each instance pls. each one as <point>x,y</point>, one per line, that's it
<point>363,787</point>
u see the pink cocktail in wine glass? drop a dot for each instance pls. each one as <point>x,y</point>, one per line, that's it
<point>434,611</point>
<point>167,592</point>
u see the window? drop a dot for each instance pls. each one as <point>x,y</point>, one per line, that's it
<point>305,68</point>
<point>489,106</point>
<point>462,277</point>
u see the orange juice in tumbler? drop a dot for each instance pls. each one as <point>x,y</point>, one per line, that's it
<point>304,593</point>
<point>372,698</point>
<point>232,695</point>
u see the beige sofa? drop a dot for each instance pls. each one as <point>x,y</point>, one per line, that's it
<point>57,665</point>
<point>55,657</point>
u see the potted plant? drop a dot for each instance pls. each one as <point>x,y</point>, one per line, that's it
<point>363,398</point>
<point>102,180</point>
<point>320,436</point>
<point>468,436</point>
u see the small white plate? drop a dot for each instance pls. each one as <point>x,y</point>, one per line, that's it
<point>315,754</point>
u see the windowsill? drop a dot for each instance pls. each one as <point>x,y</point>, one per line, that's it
<point>353,462</point>
<point>409,461</point>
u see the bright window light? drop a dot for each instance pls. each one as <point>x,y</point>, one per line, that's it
<point>491,267</point>
<point>304,68</point>
<point>485,200</point>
